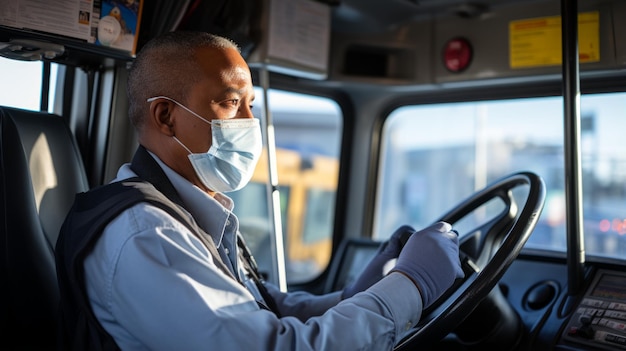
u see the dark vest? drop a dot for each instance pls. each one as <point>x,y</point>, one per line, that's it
<point>91,212</point>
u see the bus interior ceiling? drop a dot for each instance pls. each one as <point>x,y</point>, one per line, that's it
<point>402,43</point>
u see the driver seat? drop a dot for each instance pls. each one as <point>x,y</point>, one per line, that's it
<point>40,172</point>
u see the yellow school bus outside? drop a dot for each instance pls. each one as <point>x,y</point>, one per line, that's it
<point>301,180</point>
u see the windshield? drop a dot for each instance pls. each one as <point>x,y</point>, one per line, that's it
<point>434,156</point>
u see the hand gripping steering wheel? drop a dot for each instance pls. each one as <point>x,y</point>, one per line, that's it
<point>485,255</point>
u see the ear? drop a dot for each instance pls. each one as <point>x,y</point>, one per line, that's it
<point>161,116</point>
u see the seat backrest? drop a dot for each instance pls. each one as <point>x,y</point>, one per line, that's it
<point>40,172</point>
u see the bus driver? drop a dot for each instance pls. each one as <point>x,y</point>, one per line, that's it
<point>154,260</point>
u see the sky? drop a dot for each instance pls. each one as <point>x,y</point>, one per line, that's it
<point>534,120</point>
<point>21,83</point>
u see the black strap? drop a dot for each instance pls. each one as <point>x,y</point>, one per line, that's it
<point>253,270</point>
<point>147,168</point>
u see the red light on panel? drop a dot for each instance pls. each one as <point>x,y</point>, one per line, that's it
<point>457,54</point>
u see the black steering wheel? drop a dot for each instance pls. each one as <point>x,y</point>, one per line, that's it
<point>485,255</point>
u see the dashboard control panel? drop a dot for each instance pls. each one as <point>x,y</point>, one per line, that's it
<point>600,318</point>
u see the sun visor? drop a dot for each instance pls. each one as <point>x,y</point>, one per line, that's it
<point>297,39</point>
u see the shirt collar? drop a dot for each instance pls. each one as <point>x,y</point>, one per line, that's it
<point>213,214</point>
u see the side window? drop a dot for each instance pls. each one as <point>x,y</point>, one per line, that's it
<point>437,155</point>
<point>308,137</point>
<point>22,83</point>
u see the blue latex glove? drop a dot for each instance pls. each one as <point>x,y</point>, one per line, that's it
<point>374,271</point>
<point>431,259</point>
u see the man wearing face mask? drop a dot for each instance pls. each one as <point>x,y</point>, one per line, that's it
<point>155,261</point>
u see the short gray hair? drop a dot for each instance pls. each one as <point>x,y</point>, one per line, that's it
<point>166,65</point>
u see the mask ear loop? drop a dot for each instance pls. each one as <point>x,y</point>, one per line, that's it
<point>186,109</point>
<point>181,144</point>
<point>179,104</point>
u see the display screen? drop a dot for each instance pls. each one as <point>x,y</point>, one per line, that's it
<point>355,257</point>
<point>611,286</point>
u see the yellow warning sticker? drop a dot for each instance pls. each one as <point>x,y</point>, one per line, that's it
<point>536,42</point>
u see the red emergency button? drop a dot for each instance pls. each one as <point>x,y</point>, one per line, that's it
<point>457,54</point>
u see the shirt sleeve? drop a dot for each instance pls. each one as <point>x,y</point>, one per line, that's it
<point>301,304</point>
<point>154,286</point>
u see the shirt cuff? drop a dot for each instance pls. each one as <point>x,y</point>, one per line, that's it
<point>402,298</point>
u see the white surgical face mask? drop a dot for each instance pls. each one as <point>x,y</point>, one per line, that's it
<point>235,149</point>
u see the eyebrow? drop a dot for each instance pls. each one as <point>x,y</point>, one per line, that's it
<point>239,92</point>
<point>233,90</point>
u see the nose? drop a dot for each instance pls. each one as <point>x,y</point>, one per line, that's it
<point>245,111</point>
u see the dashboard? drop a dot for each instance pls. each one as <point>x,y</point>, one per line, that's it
<point>554,319</point>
